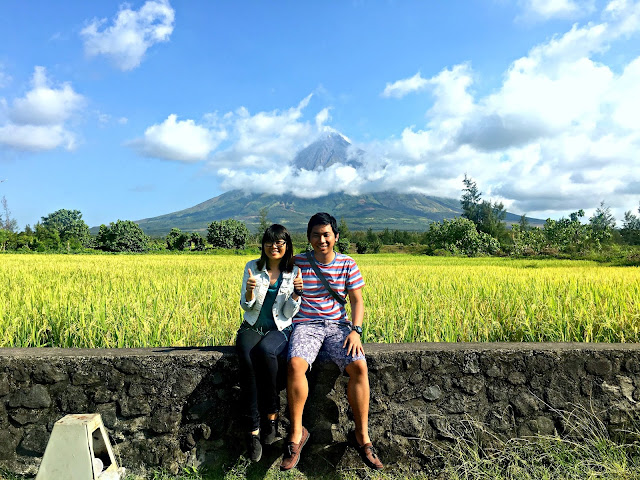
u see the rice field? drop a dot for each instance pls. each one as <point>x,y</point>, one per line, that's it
<point>192,300</point>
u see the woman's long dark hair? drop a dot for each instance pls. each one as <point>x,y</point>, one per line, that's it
<point>271,235</point>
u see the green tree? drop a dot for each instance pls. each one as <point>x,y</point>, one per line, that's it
<point>26,238</point>
<point>177,239</point>
<point>630,230</point>
<point>470,200</point>
<point>122,236</point>
<point>197,242</point>
<point>567,234</point>
<point>460,236</point>
<point>72,230</point>
<point>343,228</point>
<point>4,239</point>
<point>228,233</point>
<point>7,222</point>
<point>602,223</point>
<point>263,222</point>
<point>46,238</point>
<point>487,216</point>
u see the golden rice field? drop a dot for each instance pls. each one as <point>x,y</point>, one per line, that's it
<point>192,300</point>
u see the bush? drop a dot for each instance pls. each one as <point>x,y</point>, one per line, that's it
<point>122,236</point>
<point>227,234</point>
<point>343,245</point>
<point>460,236</point>
<point>365,246</point>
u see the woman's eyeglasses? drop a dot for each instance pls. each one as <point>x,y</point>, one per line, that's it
<point>278,244</point>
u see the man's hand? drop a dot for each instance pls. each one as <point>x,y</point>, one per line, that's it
<point>353,344</point>
<point>298,284</point>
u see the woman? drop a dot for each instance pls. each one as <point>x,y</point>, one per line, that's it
<point>271,289</point>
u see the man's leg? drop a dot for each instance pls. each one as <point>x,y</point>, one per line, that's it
<point>358,396</point>
<point>297,393</point>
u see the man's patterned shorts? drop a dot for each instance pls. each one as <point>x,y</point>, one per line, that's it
<point>309,337</point>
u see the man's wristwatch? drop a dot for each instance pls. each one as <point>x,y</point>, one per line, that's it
<point>357,329</point>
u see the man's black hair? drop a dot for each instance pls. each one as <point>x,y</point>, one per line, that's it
<point>322,218</point>
<point>271,235</point>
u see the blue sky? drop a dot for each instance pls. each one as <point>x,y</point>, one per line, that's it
<point>132,110</point>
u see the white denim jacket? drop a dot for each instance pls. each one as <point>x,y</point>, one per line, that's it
<point>284,307</point>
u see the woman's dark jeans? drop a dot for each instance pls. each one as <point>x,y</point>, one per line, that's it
<point>258,358</point>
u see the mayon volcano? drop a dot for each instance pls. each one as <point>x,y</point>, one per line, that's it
<point>402,211</point>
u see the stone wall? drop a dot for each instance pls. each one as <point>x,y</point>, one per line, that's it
<point>167,407</point>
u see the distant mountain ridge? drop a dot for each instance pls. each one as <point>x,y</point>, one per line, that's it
<point>377,211</point>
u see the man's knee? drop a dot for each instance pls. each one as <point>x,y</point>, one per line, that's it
<point>357,369</point>
<point>297,366</point>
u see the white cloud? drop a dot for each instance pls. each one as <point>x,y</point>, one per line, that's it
<point>547,9</point>
<point>44,105</point>
<point>183,141</point>
<point>400,88</point>
<point>36,138</point>
<point>131,34</point>
<point>266,139</point>
<point>38,120</point>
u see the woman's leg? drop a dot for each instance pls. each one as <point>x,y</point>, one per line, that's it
<point>265,361</point>
<point>246,340</point>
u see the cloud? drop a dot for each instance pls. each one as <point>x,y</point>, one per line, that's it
<point>400,88</point>
<point>36,138</point>
<point>43,105</point>
<point>266,139</point>
<point>37,121</point>
<point>131,33</point>
<point>183,141</point>
<point>547,9</point>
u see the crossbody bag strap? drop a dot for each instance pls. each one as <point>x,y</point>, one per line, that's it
<point>323,279</point>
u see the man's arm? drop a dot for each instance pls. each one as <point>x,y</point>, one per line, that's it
<point>353,342</point>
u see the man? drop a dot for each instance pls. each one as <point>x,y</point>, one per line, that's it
<point>322,323</point>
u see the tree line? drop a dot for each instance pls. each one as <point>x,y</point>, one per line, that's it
<point>481,230</point>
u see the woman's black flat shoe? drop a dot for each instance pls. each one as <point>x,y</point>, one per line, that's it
<point>270,431</point>
<point>254,448</point>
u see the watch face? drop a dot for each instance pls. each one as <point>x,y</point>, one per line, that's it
<point>358,330</point>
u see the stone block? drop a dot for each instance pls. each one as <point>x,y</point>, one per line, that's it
<point>134,406</point>
<point>471,363</point>
<point>73,399</point>
<point>471,384</point>
<point>517,378</point>
<point>525,404</point>
<point>108,413</point>
<point>24,416</point>
<point>599,366</point>
<point>46,373</point>
<point>36,396</point>
<point>102,395</point>
<point>5,385</point>
<point>432,393</point>
<point>163,421</point>
<point>9,439</point>
<point>35,440</point>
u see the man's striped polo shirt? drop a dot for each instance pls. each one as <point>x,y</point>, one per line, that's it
<point>317,303</point>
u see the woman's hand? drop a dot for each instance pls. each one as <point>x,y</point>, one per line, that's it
<point>298,285</point>
<point>251,285</point>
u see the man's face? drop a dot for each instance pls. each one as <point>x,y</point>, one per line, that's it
<point>322,239</point>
